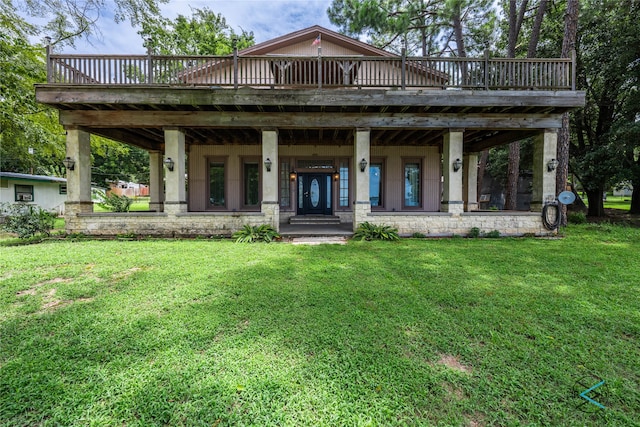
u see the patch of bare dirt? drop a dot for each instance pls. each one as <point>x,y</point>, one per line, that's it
<point>453,362</point>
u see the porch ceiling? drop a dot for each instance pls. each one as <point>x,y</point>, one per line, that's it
<point>137,116</point>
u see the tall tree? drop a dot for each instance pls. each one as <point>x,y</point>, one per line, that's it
<point>31,140</point>
<point>427,27</point>
<point>204,33</point>
<point>517,15</point>
<point>608,48</point>
<point>562,154</point>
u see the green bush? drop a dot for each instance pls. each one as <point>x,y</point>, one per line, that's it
<point>368,231</point>
<point>492,234</point>
<point>27,220</point>
<point>576,218</point>
<point>114,202</point>
<point>474,233</point>
<point>251,234</point>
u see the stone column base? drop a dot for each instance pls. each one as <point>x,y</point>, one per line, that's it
<point>74,208</point>
<point>156,207</point>
<point>452,206</point>
<point>173,208</point>
<point>361,211</point>
<point>271,211</point>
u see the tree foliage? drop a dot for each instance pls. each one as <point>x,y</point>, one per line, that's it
<point>428,27</point>
<point>68,20</point>
<point>204,33</point>
<point>605,146</point>
<point>31,140</point>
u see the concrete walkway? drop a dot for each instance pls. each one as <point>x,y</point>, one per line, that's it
<point>311,240</point>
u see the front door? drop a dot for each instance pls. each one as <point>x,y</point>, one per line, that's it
<point>314,194</point>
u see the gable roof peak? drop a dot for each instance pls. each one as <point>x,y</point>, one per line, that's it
<point>310,33</point>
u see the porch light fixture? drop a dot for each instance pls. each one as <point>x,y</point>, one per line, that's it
<point>69,163</point>
<point>169,163</point>
<point>363,164</point>
<point>293,175</point>
<point>336,176</point>
<point>457,164</point>
<point>552,165</point>
<point>267,164</point>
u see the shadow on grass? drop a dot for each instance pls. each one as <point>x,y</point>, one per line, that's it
<point>329,335</point>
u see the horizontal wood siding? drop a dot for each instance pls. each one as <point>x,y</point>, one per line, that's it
<point>307,49</point>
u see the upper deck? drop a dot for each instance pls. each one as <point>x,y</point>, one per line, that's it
<point>314,72</point>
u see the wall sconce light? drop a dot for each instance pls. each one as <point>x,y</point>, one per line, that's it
<point>293,175</point>
<point>457,164</point>
<point>336,176</point>
<point>363,165</point>
<point>69,163</point>
<point>267,164</point>
<point>169,163</point>
<point>552,165</point>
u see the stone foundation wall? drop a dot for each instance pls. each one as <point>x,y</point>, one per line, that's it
<point>434,224</point>
<point>438,224</point>
<point>162,224</point>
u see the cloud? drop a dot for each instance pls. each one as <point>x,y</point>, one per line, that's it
<point>267,19</point>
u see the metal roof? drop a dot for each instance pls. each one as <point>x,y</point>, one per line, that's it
<point>26,176</point>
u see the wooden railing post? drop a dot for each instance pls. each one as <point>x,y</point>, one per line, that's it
<point>403,73</point>
<point>486,69</point>
<point>49,68</point>
<point>573,69</point>
<point>235,62</point>
<point>149,62</point>
<point>319,67</point>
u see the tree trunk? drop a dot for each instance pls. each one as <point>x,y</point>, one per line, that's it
<point>535,31</point>
<point>482,167</point>
<point>562,155</point>
<point>513,173</point>
<point>635,199</point>
<point>596,205</point>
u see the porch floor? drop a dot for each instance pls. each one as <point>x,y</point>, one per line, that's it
<point>298,230</point>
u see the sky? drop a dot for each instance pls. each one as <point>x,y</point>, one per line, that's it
<point>266,18</point>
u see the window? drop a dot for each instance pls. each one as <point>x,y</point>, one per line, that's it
<point>285,184</point>
<point>217,187</point>
<point>376,184</point>
<point>412,189</point>
<point>344,183</point>
<point>251,184</point>
<point>24,193</point>
<point>63,188</point>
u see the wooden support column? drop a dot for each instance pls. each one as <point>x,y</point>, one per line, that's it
<point>78,179</point>
<point>452,186</point>
<point>270,206</point>
<point>176,194</point>
<point>470,182</point>
<point>361,150</point>
<point>544,180</point>
<point>156,182</point>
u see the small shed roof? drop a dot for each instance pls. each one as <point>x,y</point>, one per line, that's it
<point>29,177</point>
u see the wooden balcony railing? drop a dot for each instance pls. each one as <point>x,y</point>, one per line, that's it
<point>312,72</point>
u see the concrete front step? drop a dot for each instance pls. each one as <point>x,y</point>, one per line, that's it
<point>315,220</point>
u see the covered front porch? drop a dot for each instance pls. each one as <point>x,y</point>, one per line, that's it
<point>212,190</point>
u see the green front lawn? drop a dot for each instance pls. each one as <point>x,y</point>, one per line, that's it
<point>463,332</point>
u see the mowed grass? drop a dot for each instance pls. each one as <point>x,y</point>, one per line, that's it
<point>462,332</point>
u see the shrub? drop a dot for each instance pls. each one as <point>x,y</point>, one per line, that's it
<point>418,235</point>
<point>474,233</point>
<point>27,220</point>
<point>251,234</point>
<point>114,202</point>
<point>368,231</point>
<point>492,234</point>
<point>576,218</point>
